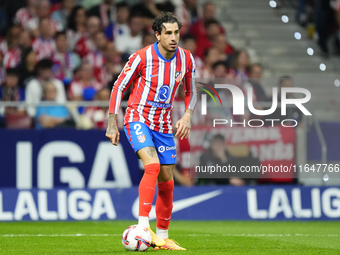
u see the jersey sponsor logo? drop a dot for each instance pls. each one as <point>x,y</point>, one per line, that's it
<point>173,156</point>
<point>162,148</point>
<point>141,138</point>
<point>159,105</point>
<point>153,75</point>
<point>164,93</point>
<point>127,69</point>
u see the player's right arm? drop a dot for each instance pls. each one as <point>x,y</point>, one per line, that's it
<point>128,74</point>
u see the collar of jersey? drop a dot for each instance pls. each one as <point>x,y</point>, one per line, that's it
<point>155,47</point>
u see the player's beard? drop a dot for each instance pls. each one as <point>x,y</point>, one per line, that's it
<point>172,49</point>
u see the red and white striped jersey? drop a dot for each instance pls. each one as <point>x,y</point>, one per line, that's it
<point>12,58</point>
<point>155,81</point>
<point>44,48</point>
<point>84,46</point>
<point>22,16</point>
<point>97,61</point>
<point>77,88</point>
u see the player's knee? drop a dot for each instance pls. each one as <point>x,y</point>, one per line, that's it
<point>167,173</point>
<point>148,155</point>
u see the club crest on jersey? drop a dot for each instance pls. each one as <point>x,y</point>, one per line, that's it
<point>178,76</point>
<point>141,138</point>
<point>127,69</point>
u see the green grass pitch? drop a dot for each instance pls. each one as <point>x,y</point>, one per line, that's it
<point>199,237</point>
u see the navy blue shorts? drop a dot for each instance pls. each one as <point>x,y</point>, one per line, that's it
<point>141,136</point>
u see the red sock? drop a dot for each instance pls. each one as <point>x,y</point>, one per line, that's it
<point>147,188</point>
<point>164,204</point>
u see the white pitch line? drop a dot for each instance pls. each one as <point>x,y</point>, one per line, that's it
<point>190,235</point>
<point>57,235</point>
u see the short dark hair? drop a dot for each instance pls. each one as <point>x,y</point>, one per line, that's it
<point>254,65</point>
<point>219,63</point>
<point>218,137</point>
<point>45,63</point>
<point>211,22</point>
<point>12,72</point>
<point>122,5</point>
<point>59,33</point>
<point>188,37</point>
<point>206,52</point>
<point>165,17</point>
<point>284,78</point>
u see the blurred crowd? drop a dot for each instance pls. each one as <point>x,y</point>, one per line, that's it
<point>65,51</point>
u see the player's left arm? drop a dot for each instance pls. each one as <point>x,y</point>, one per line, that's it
<point>183,125</point>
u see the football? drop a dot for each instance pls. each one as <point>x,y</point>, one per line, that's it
<point>136,238</point>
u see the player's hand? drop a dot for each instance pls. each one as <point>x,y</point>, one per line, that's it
<point>183,127</point>
<point>112,131</point>
<point>113,135</point>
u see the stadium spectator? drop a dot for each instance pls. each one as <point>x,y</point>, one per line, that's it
<point>121,26</point>
<point>86,87</point>
<point>50,116</point>
<point>23,15</point>
<point>27,66</point>
<point>206,41</point>
<point>189,43</point>
<point>217,154</point>
<point>131,42</point>
<point>25,40</point>
<point>35,86</point>
<point>192,7</point>
<point>239,70</point>
<point>61,15</point>
<point>97,58</point>
<point>211,56</point>
<point>186,11</point>
<point>199,29</point>
<point>323,23</point>
<point>10,48</point>
<point>220,69</point>
<point>64,61</point>
<point>100,115</point>
<point>76,26</point>
<point>43,12</point>
<point>2,70</point>
<point>112,65</point>
<point>147,8</point>
<point>10,91</point>
<point>86,44</point>
<point>106,12</point>
<point>225,49</point>
<point>148,39</point>
<point>258,93</point>
<point>292,112</point>
<point>254,81</point>
<point>44,45</point>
